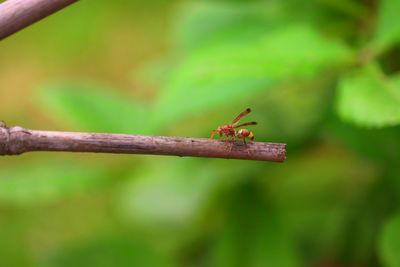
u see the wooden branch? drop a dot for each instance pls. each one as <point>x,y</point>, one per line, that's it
<point>17,140</point>
<point>18,14</point>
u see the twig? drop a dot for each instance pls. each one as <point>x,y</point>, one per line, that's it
<point>18,14</point>
<point>17,140</point>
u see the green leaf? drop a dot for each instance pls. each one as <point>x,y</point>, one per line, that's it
<point>47,182</point>
<point>368,98</point>
<point>204,23</point>
<point>201,24</point>
<point>389,244</point>
<point>92,108</point>
<point>388,26</point>
<point>232,71</point>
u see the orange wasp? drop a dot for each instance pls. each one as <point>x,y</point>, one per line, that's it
<point>229,131</point>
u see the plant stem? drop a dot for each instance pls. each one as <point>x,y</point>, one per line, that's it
<point>18,14</point>
<point>17,140</point>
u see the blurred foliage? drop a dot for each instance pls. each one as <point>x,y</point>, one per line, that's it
<point>368,98</point>
<point>387,30</point>
<point>390,242</point>
<point>245,67</point>
<point>46,182</point>
<point>321,76</point>
<point>108,251</point>
<point>74,104</point>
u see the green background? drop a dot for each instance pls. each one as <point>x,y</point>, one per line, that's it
<point>321,76</point>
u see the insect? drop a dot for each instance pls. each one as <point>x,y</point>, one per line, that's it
<point>229,131</point>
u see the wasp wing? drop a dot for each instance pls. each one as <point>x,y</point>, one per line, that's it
<point>245,124</point>
<point>241,115</point>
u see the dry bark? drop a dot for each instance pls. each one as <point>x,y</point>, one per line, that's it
<point>18,14</point>
<point>17,140</point>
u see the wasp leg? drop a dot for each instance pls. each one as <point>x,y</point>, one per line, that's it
<point>247,147</point>
<point>232,141</point>
<point>213,133</point>
<point>228,140</point>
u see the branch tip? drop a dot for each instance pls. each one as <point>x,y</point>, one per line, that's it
<point>18,140</point>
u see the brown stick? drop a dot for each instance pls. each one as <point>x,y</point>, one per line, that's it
<point>18,14</point>
<point>17,140</point>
